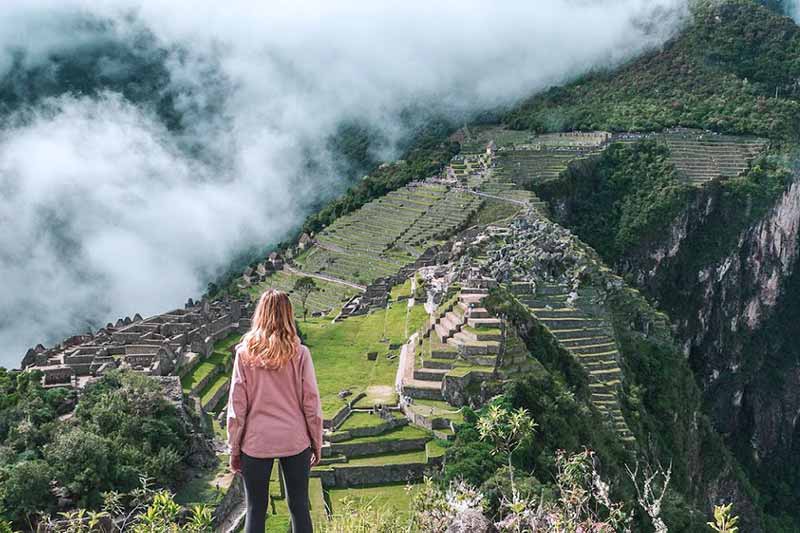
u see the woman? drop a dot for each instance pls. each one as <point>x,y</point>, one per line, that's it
<point>274,412</point>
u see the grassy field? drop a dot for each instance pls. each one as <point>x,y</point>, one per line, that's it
<point>203,489</point>
<point>361,420</point>
<point>211,389</point>
<point>396,458</point>
<point>402,432</point>
<point>395,497</point>
<point>340,352</point>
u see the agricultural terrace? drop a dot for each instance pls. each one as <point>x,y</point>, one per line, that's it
<point>388,233</point>
<point>327,298</point>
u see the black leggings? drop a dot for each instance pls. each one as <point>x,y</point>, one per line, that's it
<point>256,473</point>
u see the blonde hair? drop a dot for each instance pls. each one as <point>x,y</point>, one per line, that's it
<point>272,340</point>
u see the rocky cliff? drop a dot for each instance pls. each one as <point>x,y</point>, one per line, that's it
<point>731,290</point>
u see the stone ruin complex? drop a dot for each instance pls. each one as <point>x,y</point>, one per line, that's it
<point>161,345</point>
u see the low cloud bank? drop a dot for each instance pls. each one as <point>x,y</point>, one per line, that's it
<point>144,144</point>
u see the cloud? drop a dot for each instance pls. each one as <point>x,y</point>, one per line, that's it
<point>183,139</point>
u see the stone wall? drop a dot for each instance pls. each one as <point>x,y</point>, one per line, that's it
<point>342,414</point>
<point>206,380</point>
<point>369,431</point>
<point>426,421</point>
<point>227,513</point>
<point>214,400</point>
<point>357,449</point>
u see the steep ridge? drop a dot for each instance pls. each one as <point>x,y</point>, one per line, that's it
<point>588,338</point>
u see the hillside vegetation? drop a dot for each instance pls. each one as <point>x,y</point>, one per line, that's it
<point>732,70</point>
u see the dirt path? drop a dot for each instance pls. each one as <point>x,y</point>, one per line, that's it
<point>324,277</point>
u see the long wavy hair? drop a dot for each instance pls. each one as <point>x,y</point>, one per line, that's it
<point>272,340</point>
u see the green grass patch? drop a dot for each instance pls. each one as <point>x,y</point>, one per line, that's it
<point>436,447</point>
<point>362,420</point>
<point>395,497</point>
<point>202,489</point>
<point>340,352</point>
<point>400,433</point>
<point>404,289</point>
<point>211,389</point>
<point>493,210</point>
<point>481,331</point>
<point>416,456</point>
<point>202,371</point>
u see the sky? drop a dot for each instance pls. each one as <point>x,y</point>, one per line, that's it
<point>109,205</point>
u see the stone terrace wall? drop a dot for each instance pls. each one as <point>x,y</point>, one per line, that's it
<point>375,447</point>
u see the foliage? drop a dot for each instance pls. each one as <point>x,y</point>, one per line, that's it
<point>366,519</point>
<point>625,196</point>
<point>722,73</point>
<point>122,427</point>
<point>506,430</point>
<point>580,501</point>
<point>146,511</point>
<point>723,521</point>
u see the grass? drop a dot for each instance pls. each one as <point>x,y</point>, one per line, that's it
<point>361,420</point>
<point>416,456</point>
<point>495,210</point>
<point>203,488</point>
<point>328,294</point>
<point>219,357</point>
<point>203,370</point>
<point>404,289</point>
<point>211,389</point>
<point>395,497</point>
<point>339,351</point>
<point>436,447</point>
<point>399,433</point>
<point>437,404</point>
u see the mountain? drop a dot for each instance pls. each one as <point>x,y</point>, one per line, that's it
<point>615,255</point>
<point>718,259</point>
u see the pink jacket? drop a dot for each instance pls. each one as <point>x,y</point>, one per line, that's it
<point>274,413</point>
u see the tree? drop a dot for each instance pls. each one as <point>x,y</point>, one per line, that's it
<point>25,489</point>
<point>82,463</point>
<point>304,287</point>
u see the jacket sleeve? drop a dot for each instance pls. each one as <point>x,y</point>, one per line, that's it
<point>238,406</point>
<point>312,408</point>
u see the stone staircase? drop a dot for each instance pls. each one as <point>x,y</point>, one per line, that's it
<point>464,336</point>
<point>589,339</point>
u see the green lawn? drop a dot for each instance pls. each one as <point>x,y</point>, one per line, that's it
<point>328,294</point>
<point>362,420</point>
<point>201,371</point>
<point>436,447</point>
<point>396,497</point>
<point>340,352</point>
<point>402,432</point>
<point>219,357</point>
<point>404,289</point>
<point>416,456</point>
<point>203,489</point>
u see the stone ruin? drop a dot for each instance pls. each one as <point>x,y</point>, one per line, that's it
<point>160,345</point>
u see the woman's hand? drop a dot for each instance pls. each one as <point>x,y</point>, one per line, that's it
<point>316,457</point>
<point>236,463</point>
